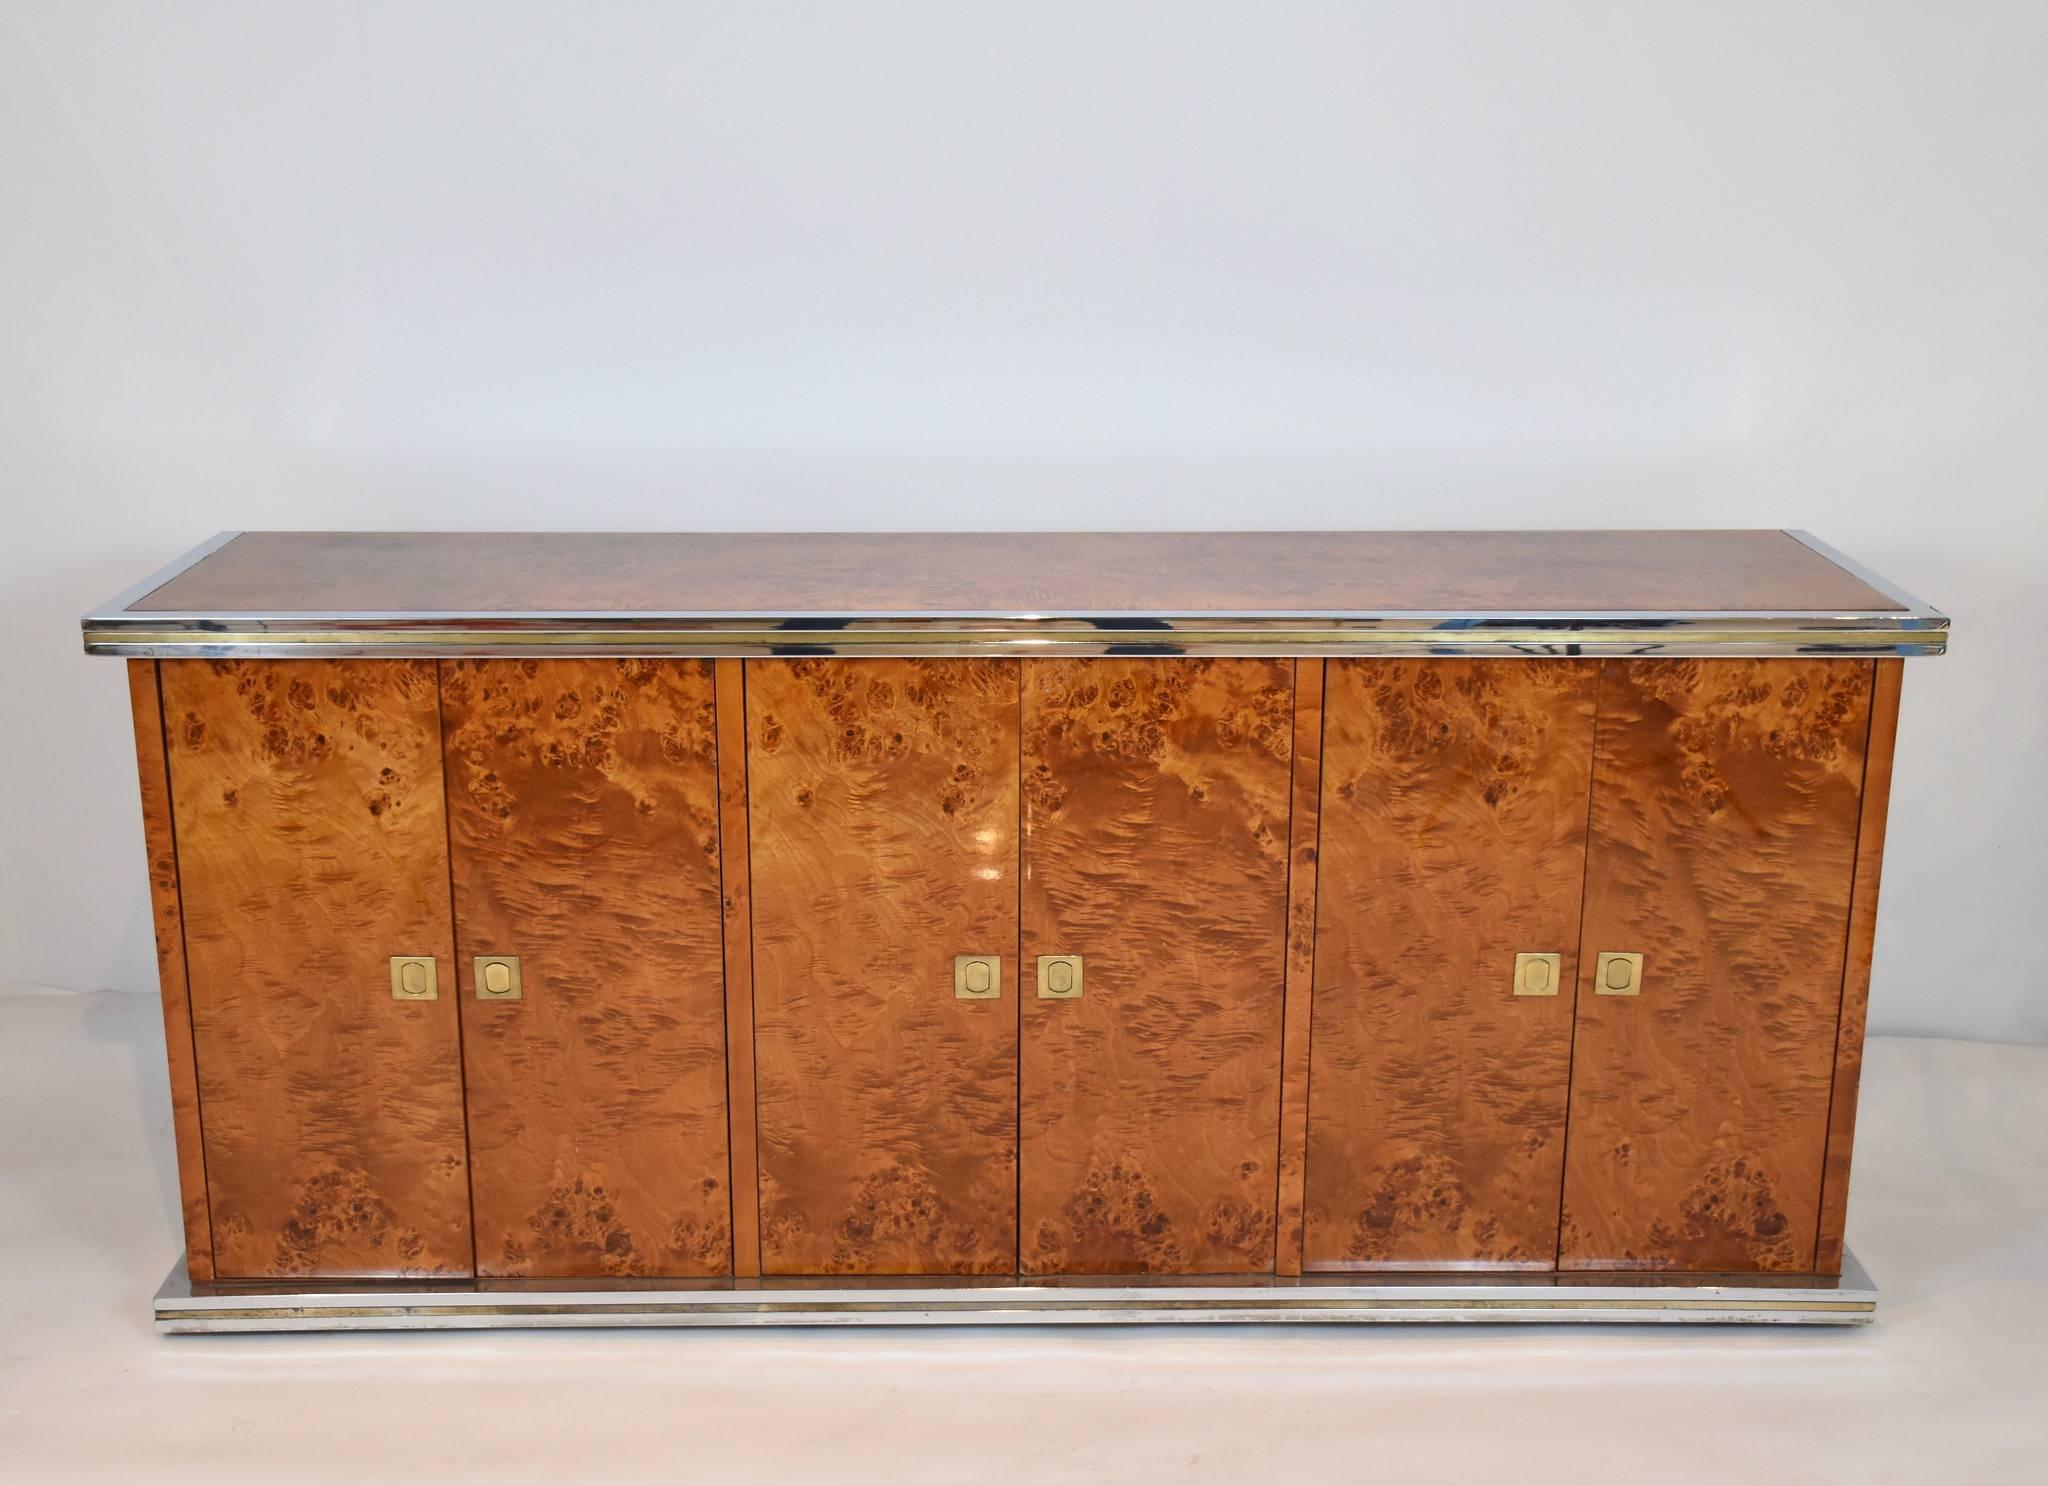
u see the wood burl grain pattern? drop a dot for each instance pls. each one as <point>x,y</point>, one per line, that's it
<point>882,805</point>
<point>584,825</point>
<point>312,847</point>
<point>1303,856</point>
<point>1156,797</point>
<point>167,917</point>
<point>737,905</point>
<point>1877,791</point>
<point>1725,805</point>
<point>1453,839</point>
<point>843,574</point>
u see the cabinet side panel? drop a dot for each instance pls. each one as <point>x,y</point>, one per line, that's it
<point>584,826</point>
<point>1725,805</point>
<point>1303,845</point>
<point>1453,839</point>
<point>1877,792</point>
<point>312,847</point>
<point>1156,797</point>
<point>737,905</point>
<point>160,840</point>
<point>882,805</point>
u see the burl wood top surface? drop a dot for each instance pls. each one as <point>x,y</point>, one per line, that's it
<point>759,574</point>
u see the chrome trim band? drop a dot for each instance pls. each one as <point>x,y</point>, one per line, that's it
<point>171,636</point>
<point>1490,1298</point>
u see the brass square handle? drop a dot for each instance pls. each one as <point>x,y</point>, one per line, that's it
<point>1618,974</point>
<point>497,978</point>
<point>415,978</point>
<point>1059,977</point>
<point>1538,974</point>
<point>977,977</point>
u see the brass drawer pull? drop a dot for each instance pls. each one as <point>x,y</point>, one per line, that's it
<point>497,978</point>
<point>1537,975</point>
<point>977,977</point>
<point>1618,974</point>
<point>1059,977</point>
<point>415,978</point>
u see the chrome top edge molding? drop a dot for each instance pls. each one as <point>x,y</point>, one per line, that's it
<point>170,636</point>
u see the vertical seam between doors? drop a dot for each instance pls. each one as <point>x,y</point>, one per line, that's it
<point>732,1192</point>
<point>1286,947</point>
<point>455,949</point>
<point>753,980</point>
<point>1564,1164</point>
<point>1017,1138</point>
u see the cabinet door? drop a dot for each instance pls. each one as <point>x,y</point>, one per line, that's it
<point>882,808</point>
<point>1723,842</point>
<point>583,821</point>
<point>1156,810</point>
<point>312,848</point>
<point>1453,840</point>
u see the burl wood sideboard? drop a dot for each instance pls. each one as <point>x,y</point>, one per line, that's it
<point>687,929</point>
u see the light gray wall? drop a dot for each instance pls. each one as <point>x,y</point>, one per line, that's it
<point>1097,265</point>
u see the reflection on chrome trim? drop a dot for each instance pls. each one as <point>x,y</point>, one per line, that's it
<point>315,1305</point>
<point>171,636</point>
<point>116,629</point>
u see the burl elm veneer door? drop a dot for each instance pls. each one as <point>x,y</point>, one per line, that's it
<point>583,819</point>
<point>1156,797</point>
<point>312,850</point>
<point>1723,842</point>
<point>1453,842</point>
<point>882,801</point>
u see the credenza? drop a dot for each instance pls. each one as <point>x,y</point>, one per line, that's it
<point>646,929</point>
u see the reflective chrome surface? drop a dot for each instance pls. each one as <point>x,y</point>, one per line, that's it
<point>1605,1299</point>
<point>1915,629</point>
<point>170,636</point>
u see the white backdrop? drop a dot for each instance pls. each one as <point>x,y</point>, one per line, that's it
<point>1086,266</point>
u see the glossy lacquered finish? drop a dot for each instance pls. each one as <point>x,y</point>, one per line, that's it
<point>1036,594</point>
<point>168,916</point>
<point>1726,799</point>
<point>1156,798</point>
<point>736,915</point>
<point>1453,838</point>
<point>882,801</point>
<point>1870,834</point>
<point>857,573</point>
<point>312,847</point>
<point>1303,868</point>
<point>995,971</point>
<point>584,824</point>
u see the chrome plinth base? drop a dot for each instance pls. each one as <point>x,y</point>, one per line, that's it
<point>1604,1299</point>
